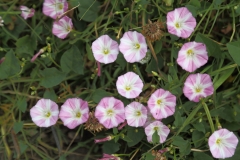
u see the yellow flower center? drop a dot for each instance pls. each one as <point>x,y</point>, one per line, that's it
<point>159,101</point>
<point>110,112</point>
<point>47,114</point>
<point>198,89</point>
<point>69,28</point>
<point>138,113</point>
<point>78,115</point>
<point>137,46</point>
<point>190,52</point>
<point>60,6</point>
<point>127,88</point>
<point>105,51</point>
<point>218,141</point>
<point>155,128</point>
<point>177,25</point>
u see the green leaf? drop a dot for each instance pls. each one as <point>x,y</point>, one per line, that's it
<point>10,66</point>
<point>222,78</point>
<point>232,126</point>
<point>121,61</point>
<point>126,138</point>
<point>17,126</point>
<point>155,138</point>
<point>152,66</point>
<point>200,127</point>
<point>99,94</point>
<point>201,156</point>
<point>149,156</point>
<point>178,119</point>
<point>195,3</point>
<point>89,52</point>
<point>158,46</point>
<point>51,77</point>
<point>72,60</point>
<point>50,94</point>
<point>110,147</point>
<point>23,147</point>
<point>234,51</point>
<point>22,104</point>
<point>197,138</point>
<point>135,134</point>
<point>25,45</point>
<point>184,145</point>
<point>212,47</point>
<point>88,10</point>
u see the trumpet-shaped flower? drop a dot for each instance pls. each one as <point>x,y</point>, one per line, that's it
<point>198,86</point>
<point>180,22</point>
<point>62,27</point>
<point>133,46</point>
<point>74,112</point>
<point>54,8</point>
<point>26,12</point>
<point>192,55</point>
<point>161,129</point>
<point>105,50</point>
<point>222,143</point>
<point>129,85</point>
<point>162,104</point>
<point>110,112</point>
<point>136,114</point>
<point>44,113</point>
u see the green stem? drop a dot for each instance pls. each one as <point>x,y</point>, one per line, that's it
<point>234,26</point>
<point>208,116</point>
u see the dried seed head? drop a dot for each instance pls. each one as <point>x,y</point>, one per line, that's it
<point>153,31</point>
<point>93,124</point>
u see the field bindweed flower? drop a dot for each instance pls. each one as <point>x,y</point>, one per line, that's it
<point>54,8</point>
<point>110,112</point>
<point>62,27</point>
<point>133,46</point>
<point>42,50</point>
<point>1,21</point>
<point>74,112</point>
<point>108,138</point>
<point>26,12</point>
<point>44,113</point>
<point>222,143</point>
<point>192,55</point>
<point>105,50</point>
<point>136,114</point>
<point>198,86</point>
<point>162,104</point>
<point>161,129</point>
<point>109,157</point>
<point>180,22</point>
<point>129,85</point>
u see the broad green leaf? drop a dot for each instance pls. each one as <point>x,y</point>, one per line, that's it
<point>72,60</point>
<point>149,156</point>
<point>158,46</point>
<point>99,94</point>
<point>17,126</point>
<point>51,77</point>
<point>178,119</point>
<point>22,104</point>
<point>121,61</point>
<point>193,9</point>
<point>212,47</point>
<point>115,130</point>
<point>201,156</point>
<point>88,10</point>
<point>135,134</point>
<point>228,114</point>
<point>195,3</point>
<point>198,138</point>
<point>184,145</point>
<point>232,126</point>
<point>234,51</point>
<point>155,138</point>
<point>50,94</point>
<point>25,45</point>
<point>110,147</point>
<point>10,66</point>
<point>178,141</point>
<point>126,138</point>
<point>89,52</point>
<point>222,78</point>
<point>199,127</point>
<point>152,66</point>
<point>22,146</point>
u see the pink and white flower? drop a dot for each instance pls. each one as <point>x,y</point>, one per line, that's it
<point>108,138</point>
<point>136,114</point>
<point>161,129</point>
<point>150,118</point>
<point>109,157</point>
<point>192,55</point>
<point>110,112</point>
<point>129,85</point>
<point>162,104</point>
<point>180,22</point>
<point>62,27</point>
<point>74,112</point>
<point>222,143</point>
<point>133,46</point>
<point>198,86</point>
<point>42,50</point>
<point>44,113</point>
<point>105,50</point>
<point>26,12</point>
<point>54,8</point>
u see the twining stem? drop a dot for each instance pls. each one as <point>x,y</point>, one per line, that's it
<point>8,151</point>
<point>208,116</point>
